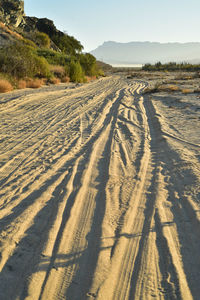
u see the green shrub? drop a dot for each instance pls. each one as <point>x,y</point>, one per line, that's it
<point>41,39</point>
<point>67,44</point>
<point>53,57</point>
<point>29,43</point>
<point>40,67</point>
<point>76,72</point>
<point>21,61</point>
<point>88,63</point>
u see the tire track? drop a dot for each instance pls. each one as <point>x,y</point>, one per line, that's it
<point>93,206</point>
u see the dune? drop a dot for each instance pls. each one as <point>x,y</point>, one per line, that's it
<point>99,193</point>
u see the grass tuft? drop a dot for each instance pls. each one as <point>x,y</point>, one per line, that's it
<point>34,83</point>
<point>54,80</point>
<point>5,86</point>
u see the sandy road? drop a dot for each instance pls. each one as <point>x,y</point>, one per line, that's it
<point>99,199</point>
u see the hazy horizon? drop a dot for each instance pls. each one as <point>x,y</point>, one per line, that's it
<point>147,52</point>
<point>93,23</point>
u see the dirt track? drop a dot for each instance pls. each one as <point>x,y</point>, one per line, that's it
<point>99,195</point>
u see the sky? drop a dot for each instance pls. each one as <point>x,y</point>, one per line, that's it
<point>93,22</point>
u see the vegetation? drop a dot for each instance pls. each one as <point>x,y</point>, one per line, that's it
<point>5,86</point>
<point>54,57</point>
<point>88,63</point>
<point>20,61</point>
<point>76,72</point>
<point>31,58</point>
<point>171,66</point>
<point>41,39</point>
<point>67,44</point>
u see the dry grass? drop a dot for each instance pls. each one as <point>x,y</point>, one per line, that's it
<point>54,80</point>
<point>34,83</point>
<point>172,88</point>
<point>44,81</point>
<point>22,84</point>
<point>162,88</point>
<point>5,86</point>
<point>189,76</point>
<point>12,33</point>
<point>90,78</point>
<point>65,79</point>
<point>186,91</point>
<point>58,71</point>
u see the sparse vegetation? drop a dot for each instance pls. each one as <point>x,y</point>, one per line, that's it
<point>158,87</point>
<point>34,83</point>
<point>22,84</point>
<point>186,91</point>
<point>65,79</point>
<point>54,80</point>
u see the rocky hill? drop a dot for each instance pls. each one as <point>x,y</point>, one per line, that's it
<point>12,12</point>
<point>33,50</point>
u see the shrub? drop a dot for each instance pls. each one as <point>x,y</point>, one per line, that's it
<point>90,78</point>
<point>41,67</point>
<point>34,83</point>
<point>58,71</point>
<point>53,57</point>
<point>171,66</point>
<point>5,86</point>
<point>29,43</point>
<point>22,84</point>
<point>67,44</point>
<point>21,61</point>
<point>88,63</point>
<point>186,91</point>
<point>54,80</point>
<point>161,88</point>
<point>65,79</point>
<point>76,72</point>
<point>172,88</point>
<point>41,39</point>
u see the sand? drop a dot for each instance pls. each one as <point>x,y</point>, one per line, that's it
<point>100,193</point>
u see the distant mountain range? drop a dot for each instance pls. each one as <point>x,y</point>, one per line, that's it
<point>147,52</point>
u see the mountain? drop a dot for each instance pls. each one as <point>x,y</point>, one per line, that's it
<point>147,52</point>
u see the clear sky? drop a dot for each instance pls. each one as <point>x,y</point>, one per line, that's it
<point>94,21</point>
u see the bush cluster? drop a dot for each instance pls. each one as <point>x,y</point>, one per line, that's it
<point>31,57</point>
<point>41,39</point>
<point>21,61</point>
<point>171,66</point>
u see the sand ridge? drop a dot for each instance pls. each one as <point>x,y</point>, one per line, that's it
<point>99,194</point>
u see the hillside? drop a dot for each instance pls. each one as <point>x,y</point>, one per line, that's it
<point>33,48</point>
<point>147,52</point>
